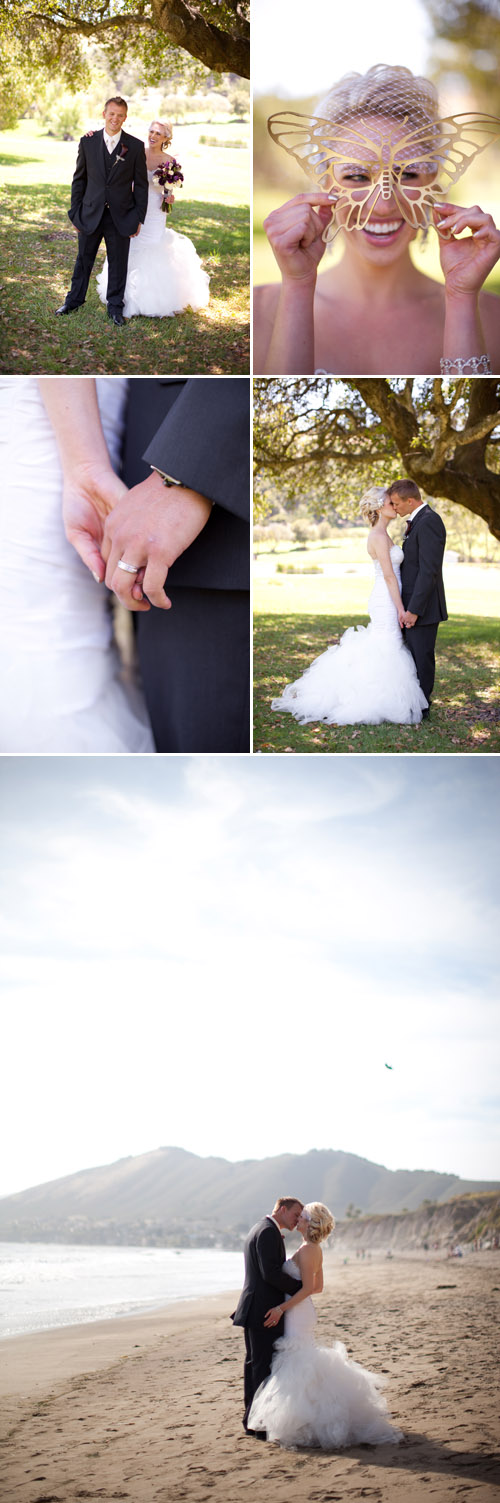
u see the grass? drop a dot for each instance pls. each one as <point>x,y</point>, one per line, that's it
<point>466,702</point>
<point>38,254</point>
<point>294,623</point>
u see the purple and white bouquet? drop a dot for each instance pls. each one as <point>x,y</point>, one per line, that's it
<point>166,175</point>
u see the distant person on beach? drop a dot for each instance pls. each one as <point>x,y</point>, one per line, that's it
<point>312,1396</point>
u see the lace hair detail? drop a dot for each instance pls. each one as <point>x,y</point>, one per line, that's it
<point>377,137</point>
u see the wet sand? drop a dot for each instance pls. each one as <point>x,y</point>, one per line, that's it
<point>149,1409</point>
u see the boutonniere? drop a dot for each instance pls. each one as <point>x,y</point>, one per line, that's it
<point>122,154</point>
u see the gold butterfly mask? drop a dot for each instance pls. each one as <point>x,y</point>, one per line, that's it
<point>363,165</point>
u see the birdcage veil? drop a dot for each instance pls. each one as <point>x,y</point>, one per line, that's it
<point>378,136</point>
<point>391,92</point>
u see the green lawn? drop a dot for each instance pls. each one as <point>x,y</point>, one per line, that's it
<point>466,703</point>
<point>38,252</point>
<point>294,622</point>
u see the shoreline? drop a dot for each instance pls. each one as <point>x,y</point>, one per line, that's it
<point>36,1359</point>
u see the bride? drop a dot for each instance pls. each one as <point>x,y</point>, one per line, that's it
<point>164,273</point>
<point>63,685</point>
<point>370,676</point>
<point>316,1396</point>
<point>373,312</point>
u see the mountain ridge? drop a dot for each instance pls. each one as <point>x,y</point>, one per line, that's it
<point>169,1189</point>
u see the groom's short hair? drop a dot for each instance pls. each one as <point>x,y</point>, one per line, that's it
<point>117,99</point>
<point>285,1203</point>
<point>406,489</point>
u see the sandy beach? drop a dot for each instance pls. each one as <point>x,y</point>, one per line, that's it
<point>149,1409</point>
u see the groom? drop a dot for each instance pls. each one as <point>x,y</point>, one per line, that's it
<point>265,1283</point>
<point>175,550</point>
<point>109,198</point>
<point>422,588</point>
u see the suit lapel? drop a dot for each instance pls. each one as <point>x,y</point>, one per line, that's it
<point>124,141</point>
<point>96,144</point>
<point>411,535</point>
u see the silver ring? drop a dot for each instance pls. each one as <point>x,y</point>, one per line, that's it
<point>129,568</point>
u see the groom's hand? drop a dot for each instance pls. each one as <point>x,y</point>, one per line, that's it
<point>409,619</point>
<point>149,528</point>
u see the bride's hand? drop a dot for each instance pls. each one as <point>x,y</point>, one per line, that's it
<point>295,234</point>
<point>273,1316</point>
<point>466,263</point>
<point>89,494</point>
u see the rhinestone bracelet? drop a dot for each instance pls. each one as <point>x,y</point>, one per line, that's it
<point>476,365</point>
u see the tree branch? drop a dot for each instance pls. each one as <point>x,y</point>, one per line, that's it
<point>185,27</point>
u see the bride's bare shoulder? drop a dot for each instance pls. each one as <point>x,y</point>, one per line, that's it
<point>265,305</point>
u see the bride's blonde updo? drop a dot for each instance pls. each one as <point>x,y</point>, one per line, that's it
<point>166,127</point>
<point>392,92</point>
<point>320,1221</point>
<point>371,503</point>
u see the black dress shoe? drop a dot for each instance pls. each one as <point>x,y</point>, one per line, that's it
<point>67,308</point>
<point>116,315</point>
<point>426,713</point>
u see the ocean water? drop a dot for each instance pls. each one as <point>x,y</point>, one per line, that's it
<point>44,1285</point>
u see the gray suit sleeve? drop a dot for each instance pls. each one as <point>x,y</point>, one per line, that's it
<point>79,182</point>
<point>204,441</point>
<point>141,186</point>
<point>431,546</point>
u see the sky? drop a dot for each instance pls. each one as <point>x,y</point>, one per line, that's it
<point>301,49</point>
<point>224,953</point>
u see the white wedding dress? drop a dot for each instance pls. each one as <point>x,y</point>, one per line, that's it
<point>62,687</point>
<point>368,677</point>
<point>316,1395</point>
<point>164,274</point>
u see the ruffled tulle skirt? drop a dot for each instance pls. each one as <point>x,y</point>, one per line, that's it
<point>317,1396</point>
<point>369,677</point>
<point>164,276</point>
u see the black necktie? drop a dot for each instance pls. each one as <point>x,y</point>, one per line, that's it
<point>409,526</point>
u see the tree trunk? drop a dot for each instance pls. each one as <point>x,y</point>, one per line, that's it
<point>217,49</point>
<point>450,466</point>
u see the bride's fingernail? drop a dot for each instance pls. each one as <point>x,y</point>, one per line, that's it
<point>96,577</point>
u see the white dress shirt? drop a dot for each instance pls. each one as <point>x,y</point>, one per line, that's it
<point>410,515</point>
<point>111,141</point>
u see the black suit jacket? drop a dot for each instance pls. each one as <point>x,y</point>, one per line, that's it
<point>125,189</point>
<point>422,588</point>
<point>265,1281</point>
<point>198,430</point>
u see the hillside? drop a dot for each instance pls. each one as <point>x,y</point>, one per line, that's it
<point>171,1195</point>
<point>463,1219</point>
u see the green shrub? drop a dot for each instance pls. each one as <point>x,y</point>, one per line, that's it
<point>298,569</point>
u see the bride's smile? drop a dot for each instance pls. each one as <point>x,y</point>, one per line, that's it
<point>381,161</point>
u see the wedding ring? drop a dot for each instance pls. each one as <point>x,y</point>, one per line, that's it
<point>129,568</point>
